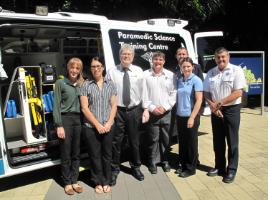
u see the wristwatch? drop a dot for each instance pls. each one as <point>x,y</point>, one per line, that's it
<point>219,104</point>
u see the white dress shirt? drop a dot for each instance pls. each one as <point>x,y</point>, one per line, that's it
<point>135,73</point>
<point>159,90</point>
<point>220,84</point>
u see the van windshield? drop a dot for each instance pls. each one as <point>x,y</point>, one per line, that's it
<point>145,44</point>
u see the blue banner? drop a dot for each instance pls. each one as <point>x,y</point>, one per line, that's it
<point>252,65</point>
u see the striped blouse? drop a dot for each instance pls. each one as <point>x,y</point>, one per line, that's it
<point>99,100</point>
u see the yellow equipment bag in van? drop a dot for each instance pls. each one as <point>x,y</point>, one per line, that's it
<point>35,106</point>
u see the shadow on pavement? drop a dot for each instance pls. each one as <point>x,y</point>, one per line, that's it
<point>204,168</point>
<point>29,178</point>
<point>202,133</point>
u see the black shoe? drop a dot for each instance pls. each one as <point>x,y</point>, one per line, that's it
<point>179,169</point>
<point>229,178</point>
<point>186,174</point>
<point>113,179</point>
<point>136,172</point>
<point>216,172</point>
<point>166,167</point>
<point>153,169</point>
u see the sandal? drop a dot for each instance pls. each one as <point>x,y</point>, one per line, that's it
<point>68,189</point>
<point>78,188</point>
<point>98,189</point>
<point>106,188</point>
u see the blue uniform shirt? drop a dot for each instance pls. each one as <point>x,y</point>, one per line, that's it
<point>186,100</point>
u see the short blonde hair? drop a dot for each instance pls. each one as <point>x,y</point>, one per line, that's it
<point>78,62</point>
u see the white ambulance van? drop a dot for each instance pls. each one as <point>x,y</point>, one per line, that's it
<point>34,52</point>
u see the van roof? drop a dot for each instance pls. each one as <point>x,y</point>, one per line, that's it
<point>59,16</point>
<point>86,17</point>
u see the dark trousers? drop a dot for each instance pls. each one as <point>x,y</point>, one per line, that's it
<point>158,138</point>
<point>188,143</point>
<point>100,154</point>
<point>70,148</point>
<point>226,128</point>
<point>173,122</point>
<point>127,122</point>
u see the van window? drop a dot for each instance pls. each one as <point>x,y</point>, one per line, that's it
<point>31,44</point>
<point>145,44</point>
<point>206,47</point>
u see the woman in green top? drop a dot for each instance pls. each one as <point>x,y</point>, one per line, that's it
<point>66,116</point>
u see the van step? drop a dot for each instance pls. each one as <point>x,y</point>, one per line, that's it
<point>30,157</point>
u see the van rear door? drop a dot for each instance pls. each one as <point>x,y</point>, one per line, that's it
<point>205,43</point>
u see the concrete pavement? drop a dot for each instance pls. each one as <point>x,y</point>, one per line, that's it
<point>252,177</point>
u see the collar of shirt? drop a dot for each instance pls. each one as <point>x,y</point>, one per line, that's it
<point>177,69</point>
<point>105,80</point>
<point>121,68</point>
<point>67,81</point>
<point>228,67</point>
<point>163,73</point>
<point>189,78</point>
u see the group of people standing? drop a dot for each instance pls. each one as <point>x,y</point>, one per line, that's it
<point>115,104</point>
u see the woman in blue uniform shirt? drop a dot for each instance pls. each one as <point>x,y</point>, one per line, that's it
<point>190,95</point>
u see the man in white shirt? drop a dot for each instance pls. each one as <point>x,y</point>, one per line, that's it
<point>223,87</point>
<point>159,96</point>
<point>128,79</point>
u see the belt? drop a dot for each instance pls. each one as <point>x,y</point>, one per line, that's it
<point>126,108</point>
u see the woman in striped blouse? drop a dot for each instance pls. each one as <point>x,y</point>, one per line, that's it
<point>98,102</point>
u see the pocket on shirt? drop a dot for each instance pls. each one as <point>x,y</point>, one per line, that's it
<point>228,81</point>
<point>212,84</point>
<point>169,84</point>
<point>133,79</point>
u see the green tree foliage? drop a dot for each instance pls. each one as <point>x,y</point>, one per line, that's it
<point>126,9</point>
<point>193,9</point>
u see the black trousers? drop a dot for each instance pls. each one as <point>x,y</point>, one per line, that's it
<point>188,143</point>
<point>226,129</point>
<point>70,148</point>
<point>127,122</point>
<point>100,154</point>
<point>173,122</point>
<point>158,138</point>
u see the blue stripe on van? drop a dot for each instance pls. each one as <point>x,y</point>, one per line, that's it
<point>1,167</point>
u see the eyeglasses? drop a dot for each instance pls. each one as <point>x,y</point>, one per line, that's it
<point>126,54</point>
<point>96,66</point>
